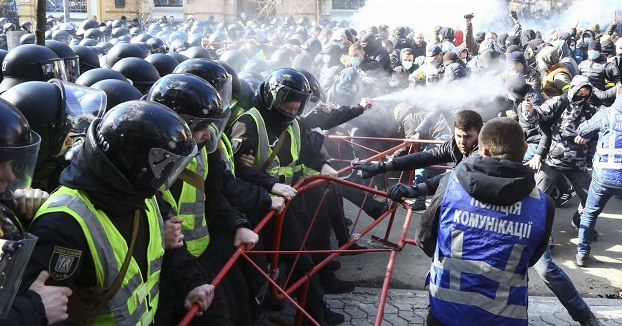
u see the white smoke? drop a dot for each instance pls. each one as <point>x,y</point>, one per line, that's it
<point>422,16</point>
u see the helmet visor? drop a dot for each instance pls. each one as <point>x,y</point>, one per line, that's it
<point>215,126</point>
<point>17,165</point>
<point>14,256</point>
<point>225,90</point>
<point>311,107</point>
<point>72,69</point>
<point>52,69</point>
<point>285,94</point>
<point>82,105</point>
<point>167,166</point>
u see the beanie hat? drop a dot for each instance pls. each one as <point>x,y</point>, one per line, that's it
<point>516,57</point>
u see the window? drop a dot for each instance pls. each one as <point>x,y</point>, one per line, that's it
<point>57,6</point>
<point>348,4</point>
<point>168,3</point>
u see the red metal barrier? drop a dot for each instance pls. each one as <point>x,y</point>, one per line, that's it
<point>305,184</point>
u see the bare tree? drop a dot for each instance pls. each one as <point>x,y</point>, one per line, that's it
<point>268,8</point>
<point>144,10</point>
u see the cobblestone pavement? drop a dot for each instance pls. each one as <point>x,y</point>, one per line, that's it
<point>409,307</point>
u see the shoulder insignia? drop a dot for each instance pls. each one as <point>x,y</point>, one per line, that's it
<point>235,144</point>
<point>64,262</point>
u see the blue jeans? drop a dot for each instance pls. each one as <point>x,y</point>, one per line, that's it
<point>597,197</point>
<point>560,284</point>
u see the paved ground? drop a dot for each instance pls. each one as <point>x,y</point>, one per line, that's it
<point>409,307</point>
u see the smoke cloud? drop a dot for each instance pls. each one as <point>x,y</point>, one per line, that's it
<point>489,15</point>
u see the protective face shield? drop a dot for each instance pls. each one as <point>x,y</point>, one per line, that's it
<point>285,94</point>
<point>225,90</point>
<point>72,68</point>
<point>216,127</point>
<point>53,69</point>
<point>15,251</point>
<point>17,165</point>
<point>82,105</point>
<point>167,166</point>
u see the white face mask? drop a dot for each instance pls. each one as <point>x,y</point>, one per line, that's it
<point>593,54</point>
<point>407,64</point>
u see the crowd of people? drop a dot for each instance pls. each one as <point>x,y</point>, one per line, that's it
<point>141,157</point>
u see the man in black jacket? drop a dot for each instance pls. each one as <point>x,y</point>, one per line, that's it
<point>467,125</point>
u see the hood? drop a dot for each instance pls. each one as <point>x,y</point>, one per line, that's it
<point>563,51</point>
<point>588,32</point>
<point>576,84</point>
<point>495,181</point>
<point>447,33</point>
<point>78,176</point>
<point>526,36</point>
<point>549,55</point>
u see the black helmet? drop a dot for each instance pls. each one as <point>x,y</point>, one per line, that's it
<point>212,72</point>
<point>258,65</point>
<point>140,72</point>
<point>317,93</point>
<point>27,39</point>
<point>65,104</point>
<point>61,36</point>
<point>119,31</point>
<point>8,27</point>
<point>95,34</point>
<point>87,42</point>
<point>86,25</point>
<point>235,58</point>
<point>104,47</point>
<point>284,86</point>
<point>178,56</point>
<point>140,38</point>
<point>282,58</point>
<point>251,75</point>
<point>117,23</point>
<point>197,52</point>
<point>164,63</point>
<point>31,62</point>
<point>196,101</point>
<point>235,81</point>
<point>139,147</point>
<point>157,46</point>
<point>18,145</point>
<point>63,51</point>
<point>48,35</point>
<point>153,29</point>
<point>217,40</point>
<point>123,50</point>
<point>135,31</point>
<point>117,92</point>
<point>106,32</point>
<point>195,39</point>
<point>3,54</point>
<point>178,46</point>
<point>94,75</point>
<point>177,36</point>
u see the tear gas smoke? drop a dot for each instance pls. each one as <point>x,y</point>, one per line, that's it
<point>489,15</point>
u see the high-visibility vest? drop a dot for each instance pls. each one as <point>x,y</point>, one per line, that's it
<point>263,151</point>
<point>226,153</point>
<point>479,272</point>
<point>136,300</point>
<point>190,208</point>
<point>548,82</point>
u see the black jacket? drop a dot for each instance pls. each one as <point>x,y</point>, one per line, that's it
<point>489,180</point>
<point>62,230</point>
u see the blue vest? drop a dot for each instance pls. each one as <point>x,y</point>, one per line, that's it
<point>607,168</point>
<point>479,271</point>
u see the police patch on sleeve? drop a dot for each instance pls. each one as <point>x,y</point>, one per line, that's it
<point>63,262</point>
<point>235,144</point>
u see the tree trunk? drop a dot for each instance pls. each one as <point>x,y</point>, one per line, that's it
<point>40,23</point>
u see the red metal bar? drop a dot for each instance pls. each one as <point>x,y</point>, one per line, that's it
<point>403,140</point>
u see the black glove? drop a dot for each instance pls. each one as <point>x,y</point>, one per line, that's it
<point>401,190</point>
<point>513,14</point>
<point>469,16</point>
<point>370,169</point>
